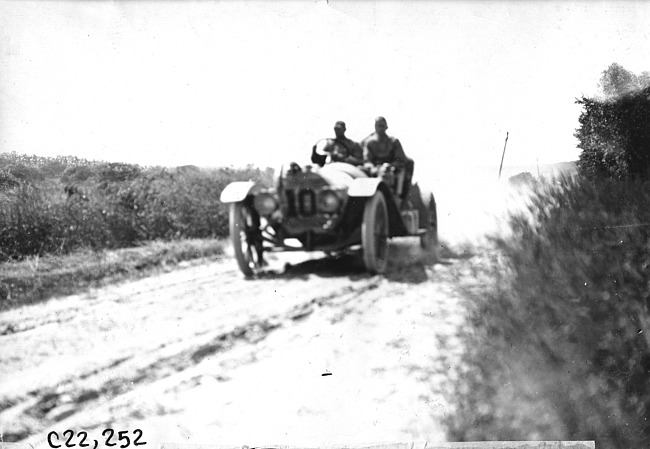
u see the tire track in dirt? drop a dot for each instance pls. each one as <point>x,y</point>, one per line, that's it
<point>125,361</point>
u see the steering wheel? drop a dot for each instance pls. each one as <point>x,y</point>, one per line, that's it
<point>319,149</point>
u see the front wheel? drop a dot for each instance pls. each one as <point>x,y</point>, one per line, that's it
<point>374,234</point>
<point>246,238</point>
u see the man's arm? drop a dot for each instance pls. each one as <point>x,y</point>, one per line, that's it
<point>368,156</point>
<point>356,154</point>
<point>398,151</point>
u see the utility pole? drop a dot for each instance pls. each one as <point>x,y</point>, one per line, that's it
<point>504,154</point>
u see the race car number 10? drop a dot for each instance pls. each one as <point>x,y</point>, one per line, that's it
<point>121,439</point>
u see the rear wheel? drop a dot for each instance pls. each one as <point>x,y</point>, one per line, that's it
<point>374,234</point>
<point>246,238</point>
<point>429,240</point>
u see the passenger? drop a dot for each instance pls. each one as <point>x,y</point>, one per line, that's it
<point>379,148</point>
<point>340,149</point>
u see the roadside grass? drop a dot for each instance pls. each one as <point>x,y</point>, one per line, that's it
<point>559,342</point>
<point>38,278</point>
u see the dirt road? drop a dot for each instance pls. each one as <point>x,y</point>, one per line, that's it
<point>317,352</point>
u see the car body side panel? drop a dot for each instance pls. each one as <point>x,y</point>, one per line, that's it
<point>238,191</point>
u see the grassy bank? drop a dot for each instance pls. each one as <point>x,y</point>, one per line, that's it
<point>559,348</point>
<point>38,278</point>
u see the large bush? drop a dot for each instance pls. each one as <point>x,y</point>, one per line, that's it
<point>614,131</point>
<point>560,343</point>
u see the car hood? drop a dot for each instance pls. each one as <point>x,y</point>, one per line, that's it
<point>340,174</point>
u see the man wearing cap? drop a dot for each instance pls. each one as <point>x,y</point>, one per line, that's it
<point>379,148</point>
<point>341,149</point>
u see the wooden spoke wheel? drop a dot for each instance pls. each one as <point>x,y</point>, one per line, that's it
<point>374,234</point>
<point>246,238</point>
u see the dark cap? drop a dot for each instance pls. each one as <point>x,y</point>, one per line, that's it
<point>380,119</point>
<point>339,124</point>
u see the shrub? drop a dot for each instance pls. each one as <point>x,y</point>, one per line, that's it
<point>524,178</point>
<point>561,342</point>
<point>24,228</point>
<point>117,172</point>
<point>22,172</point>
<point>76,173</point>
<point>7,180</point>
<point>614,132</point>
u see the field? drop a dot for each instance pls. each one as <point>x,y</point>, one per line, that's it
<point>69,223</point>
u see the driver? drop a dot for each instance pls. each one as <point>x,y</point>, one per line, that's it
<point>380,148</point>
<point>340,148</point>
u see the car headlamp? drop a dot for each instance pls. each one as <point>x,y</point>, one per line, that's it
<point>328,201</point>
<point>265,203</point>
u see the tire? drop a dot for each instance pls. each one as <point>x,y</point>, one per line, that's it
<point>374,234</point>
<point>246,238</point>
<point>429,241</point>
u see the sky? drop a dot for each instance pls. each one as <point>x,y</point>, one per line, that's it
<point>220,83</point>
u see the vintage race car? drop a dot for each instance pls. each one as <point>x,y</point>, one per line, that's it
<point>334,208</point>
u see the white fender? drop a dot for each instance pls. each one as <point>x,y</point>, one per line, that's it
<point>238,191</point>
<point>364,187</point>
